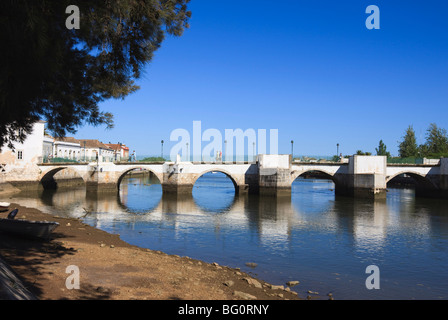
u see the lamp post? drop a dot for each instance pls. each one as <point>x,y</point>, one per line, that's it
<point>162,148</point>
<point>292,149</point>
<point>337,149</point>
<point>253,143</point>
<point>225,150</point>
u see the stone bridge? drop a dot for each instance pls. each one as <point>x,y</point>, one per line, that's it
<point>361,176</point>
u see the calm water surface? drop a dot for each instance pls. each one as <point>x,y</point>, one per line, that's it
<point>323,241</point>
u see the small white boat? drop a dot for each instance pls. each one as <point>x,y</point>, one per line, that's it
<point>4,205</point>
<point>27,228</point>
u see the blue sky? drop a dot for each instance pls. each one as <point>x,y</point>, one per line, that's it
<point>310,69</point>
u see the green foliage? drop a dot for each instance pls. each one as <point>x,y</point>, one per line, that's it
<point>436,140</point>
<point>436,144</point>
<point>153,159</point>
<point>408,160</point>
<point>382,150</point>
<point>408,146</point>
<point>362,153</point>
<point>59,75</point>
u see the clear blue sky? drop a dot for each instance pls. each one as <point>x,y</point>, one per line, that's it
<point>310,69</point>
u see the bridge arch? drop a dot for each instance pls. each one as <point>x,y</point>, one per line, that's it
<point>228,174</point>
<point>47,180</point>
<point>222,201</point>
<point>420,179</point>
<point>327,174</point>
<point>123,173</point>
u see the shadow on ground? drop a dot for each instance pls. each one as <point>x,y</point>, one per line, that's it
<point>31,254</point>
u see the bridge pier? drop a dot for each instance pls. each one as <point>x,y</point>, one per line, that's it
<point>175,181</point>
<point>101,179</point>
<point>101,187</point>
<point>274,175</point>
<point>439,186</point>
<point>366,178</point>
<point>362,186</point>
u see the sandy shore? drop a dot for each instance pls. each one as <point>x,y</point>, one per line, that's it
<point>112,269</point>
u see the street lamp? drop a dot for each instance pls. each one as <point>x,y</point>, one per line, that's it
<point>162,148</point>
<point>253,143</point>
<point>225,150</point>
<point>292,149</point>
<point>337,149</point>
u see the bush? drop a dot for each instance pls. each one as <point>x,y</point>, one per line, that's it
<point>152,159</point>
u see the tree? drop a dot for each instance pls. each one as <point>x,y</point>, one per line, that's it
<point>436,140</point>
<point>382,150</point>
<point>59,75</point>
<point>408,146</point>
<point>362,153</point>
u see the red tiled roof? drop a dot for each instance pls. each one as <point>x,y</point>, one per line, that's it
<point>116,146</point>
<point>67,139</point>
<point>92,143</point>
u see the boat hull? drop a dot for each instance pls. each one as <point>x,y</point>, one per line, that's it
<point>25,228</point>
<point>4,206</point>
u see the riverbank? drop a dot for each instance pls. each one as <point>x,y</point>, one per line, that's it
<point>112,269</point>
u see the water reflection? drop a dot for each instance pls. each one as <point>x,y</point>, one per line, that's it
<point>323,240</point>
<point>140,192</point>
<point>214,192</point>
<point>368,222</point>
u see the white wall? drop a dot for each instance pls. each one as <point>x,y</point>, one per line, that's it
<point>104,155</point>
<point>28,152</point>
<point>67,150</point>
<point>280,161</point>
<point>368,164</point>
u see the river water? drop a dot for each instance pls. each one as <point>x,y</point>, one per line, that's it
<point>323,241</point>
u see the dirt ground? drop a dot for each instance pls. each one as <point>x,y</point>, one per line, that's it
<point>112,269</point>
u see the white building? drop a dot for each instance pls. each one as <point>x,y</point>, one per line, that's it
<point>39,147</point>
<point>48,144</point>
<point>67,148</point>
<point>30,151</point>
<point>94,150</point>
<point>121,152</point>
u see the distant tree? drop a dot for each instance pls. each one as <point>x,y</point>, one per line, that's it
<point>61,75</point>
<point>408,146</point>
<point>382,150</point>
<point>436,140</point>
<point>423,150</point>
<point>362,153</point>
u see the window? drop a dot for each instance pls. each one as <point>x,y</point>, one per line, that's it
<point>20,155</point>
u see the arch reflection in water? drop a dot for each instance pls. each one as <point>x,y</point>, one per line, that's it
<point>214,192</point>
<point>140,191</point>
<point>313,192</point>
